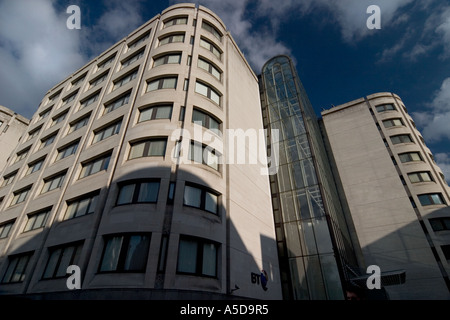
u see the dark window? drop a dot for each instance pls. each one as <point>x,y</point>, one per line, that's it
<point>155,112</point>
<point>385,107</point>
<point>78,124</point>
<point>67,151</point>
<point>5,228</point>
<point>54,182</point>
<point>16,268</point>
<point>82,206</point>
<point>431,199</point>
<point>446,251</point>
<point>96,165</point>
<point>60,258</point>
<point>20,196</point>
<point>439,224</point>
<point>201,197</point>
<point>145,191</point>
<point>37,220</point>
<point>401,138</point>
<point>410,156</point>
<point>148,148</point>
<point>117,103</point>
<point>107,132</point>
<point>197,257</point>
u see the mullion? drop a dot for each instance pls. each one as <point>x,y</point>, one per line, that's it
<point>123,253</point>
<point>136,191</point>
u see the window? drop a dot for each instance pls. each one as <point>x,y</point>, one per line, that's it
<point>162,83</point>
<point>410,156</point>
<point>106,62</point>
<point>79,80</point>
<point>96,81</point>
<point>117,103</point>
<point>145,191</point>
<point>204,154</point>
<point>175,21</point>
<point>44,114</point>
<point>155,112</point>
<point>125,253</point>
<point>424,176</point>
<point>211,47</point>
<point>393,122</point>
<point>205,120</point>
<point>401,138</point>
<point>139,40</point>
<point>135,57</point>
<point>171,39</point>
<point>148,148</point>
<point>67,151</point>
<point>200,197</point>
<point>22,154</point>
<point>16,268</point>
<point>36,220</point>
<point>59,118</point>
<point>60,258</point>
<point>5,228</point>
<point>54,182</point>
<point>34,133</point>
<point>54,96</point>
<point>208,92</point>
<point>48,140</point>
<point>431,199</point>
<point>94,166</point>
<point>90,100</point>
<point>78,124</point>
<point>70,98</point>
<point>107,132</point>
<point>20,195</point>
<point>197,256</point>
<point>35,166</point>
<point>209,27</point>
<point>209,67</point>
<point>81,206</point>
<point>9,178</point>
<point>125,79</point>
<point>446,251</point>
<point>440,224</point>
<point>173,58</point>
<point>385,107</point>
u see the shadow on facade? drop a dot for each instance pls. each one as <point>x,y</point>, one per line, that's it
<point>239,263</point>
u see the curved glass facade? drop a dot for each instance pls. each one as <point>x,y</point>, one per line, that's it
<point>311,229</point>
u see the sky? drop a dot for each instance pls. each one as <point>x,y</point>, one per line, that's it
<point>338,58</point>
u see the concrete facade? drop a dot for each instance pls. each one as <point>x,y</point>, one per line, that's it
<point>106,176</point>
<point>378,153</point>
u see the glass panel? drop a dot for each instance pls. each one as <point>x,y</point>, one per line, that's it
<point>51,265</point>
<point>201,88</point>
<point>192,196</point>
<point>9,272</point>
<point>111,255</point>
<point>40,220</point>
<point>215,97</point>
<point>322,234</point>
<point>413,177</point>
<point>288,207</point>
<point>97,166</point>
<point>302,199</point>
<point>66,261</point>
<point>198,116</point>
<point>293,244</point>
<point>211,202</point>
<point>126,194</point>
<point>215,73</point>
<point>310,172</point>
<point>137,253</point>
<point>203,64</point>
<point>137,150</point>
<point>332,280</point>
<point>436,224</point>
<point>445,221</point>
<point>19,273</point>
<point>148,192</point>
<point>153,85</point>
<point>157,148</point>
<point>212,160</point>
<point>169,83</point>
<point>93,205</point>
<point>308,235</point>
<point>196,153</point>
<point>187,256</point>
<point>425,200</point>
<point>315,280</point>
<point>299,280</point>
<point>83,207</point>
<point>436,198</point>
<point>146,114</point>
<point>175,58</point>
<point>209,259</point>
<point>163,112</point>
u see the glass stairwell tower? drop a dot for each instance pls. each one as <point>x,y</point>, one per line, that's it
<point>315,249</point>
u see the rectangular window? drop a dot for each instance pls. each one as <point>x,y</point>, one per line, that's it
<point>208,92</point>
<point>45,113</point>
<point>37,220</point>
<point>117,103</point>
<point>210,28</point>
<point>79,123</point>
<point>410,156</point>
<point>431,199</point>
<point>60,258</point>
<point>139,40</point>
<point>211,47</point>
<point>125,253</point>
<point>16,268</point>
<point>173,38</point>
<point>53,97</point>
<point>205,120</point>
<point>67,151</point>
<point>393,122</point>
<point>54,182</point>
<point>135,57</point>
<point>107,132</point>
<point>81,206</point>
<point>173,58</point>
<point>385,107</point>
<point>96,81</point>
<point>5,228</point>
<point>79,80</point>
<point>155,112</point>
<point>59,118</point>
<point>209,67</point>
<point>22,154</point>
<point>197,257</point>
<point>34,133</point>
<point>203,154</point>
<point>138,192</point>
<point>48,140</point>
<point>440,224</point>
<point>125,79</point>
<point>9,178</point>
<point>424,176</point>
<point>175,21</point>
<point>106,62</point>
<point>90,100</point>
<point>70,98</point>
<point>35,166</point>
<point>201,198</point>
<point>163,83</point>
<point>94,166</point>
<point>401,138</point>
<point>148,148</point>
<point>20,196</point>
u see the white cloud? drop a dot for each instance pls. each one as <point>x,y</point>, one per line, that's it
<point>443,161</point>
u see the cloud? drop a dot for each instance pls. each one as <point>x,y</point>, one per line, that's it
<point>443,161</point>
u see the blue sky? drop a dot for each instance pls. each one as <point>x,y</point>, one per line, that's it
<point>338,58</point>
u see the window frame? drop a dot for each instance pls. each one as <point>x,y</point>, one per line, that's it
<point>58,178</point>
<point>170,37</point>
<point>9,178</point>
<point>203,193</point>
<point>87,166</point>
<point>390,123</point>
<point>33,218</point>
<point>75,255</point>
<point>83,120</point>
<point>129,76</point>
<point>384,105</point>
<point>92,198</point>
<point>27,256</point>
<point>147,146</point>
<point>161,81</point>
<point>176,19</point>
<point>154,112</point>
<point>113,105</point>
<point>444,223</point>
<point>6,225</point>
<point>429,197</point>
<point>199,256</point>
<point>419,176</point>
<point>209,91</point>
<point>401,138</point>
<point>115,125</point>
<point>136,191</point>
<point>32,165</point>
<point>62,150</point>
<point>191,155</point>
<point>128,61</point>
<point>18,195</point>
<point>165,58</point>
